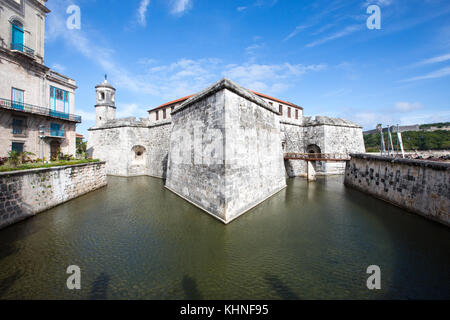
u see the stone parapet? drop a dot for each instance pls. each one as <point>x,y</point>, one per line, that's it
<point>421,187</point>
<point>26,193</point>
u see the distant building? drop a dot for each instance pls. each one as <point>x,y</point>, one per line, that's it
<point>37,104</point>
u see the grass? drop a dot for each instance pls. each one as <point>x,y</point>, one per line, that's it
<point>28,166</point>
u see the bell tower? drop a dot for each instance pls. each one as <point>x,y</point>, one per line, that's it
<point>105,107</point>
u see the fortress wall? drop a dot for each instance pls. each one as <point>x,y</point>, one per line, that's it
<point>315,135</point>
<point>342,140</point>
<point>115,146</point>
<point>158,150</point>
<point>26,193</point>
<point>294,139</point>
<point>196,168</point>
<point>225,151</point>
<point>254,166</point>
<point>419,186</point>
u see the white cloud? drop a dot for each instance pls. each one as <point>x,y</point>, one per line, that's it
<point>437,59</point>
<point>241,8</point>
<point>297,30</point>
<point>59,68</point>
<point>172,80</point>
<point>338,93</point>
<point>180,6</point>
<point>381,3</point>
<point>85,115</point>
<point>273,78</point>
<point>142,11</point>
<point>348,30</point>
<point>127,110</point>
<point>407,107</point>
<point>432,75</point>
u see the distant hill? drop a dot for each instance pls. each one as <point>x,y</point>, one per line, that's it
<point>416,127</point>
<point>412,140</point>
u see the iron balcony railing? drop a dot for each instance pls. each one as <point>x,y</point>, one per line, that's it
<point>49,132</point>
<point>22,48</point>
<point>25,107</point>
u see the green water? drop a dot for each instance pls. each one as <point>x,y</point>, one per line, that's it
<point>137,240</point>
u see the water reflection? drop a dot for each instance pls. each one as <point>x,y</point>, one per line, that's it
<point>137,240</point>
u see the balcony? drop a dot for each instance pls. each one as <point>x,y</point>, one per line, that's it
<point>22,48</point>
<point>28,108</point>
<point>52,133</point>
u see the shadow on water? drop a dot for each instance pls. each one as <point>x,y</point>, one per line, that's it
<point>100,287</point>
<point>190,288</point>
<point>7,250</point>
<point>280,288</point>
<point>410,260</point>
<point>7,283</point>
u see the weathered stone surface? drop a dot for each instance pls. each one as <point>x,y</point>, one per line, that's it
<point>27,193</point>
<point>119,143</point>
<point>225,151</point>
<point>324,134</point>
<point>418,186</point>
<point>253,134</point>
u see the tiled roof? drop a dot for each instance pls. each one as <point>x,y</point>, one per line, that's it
<point>275,99</point>
<point>257,93</point>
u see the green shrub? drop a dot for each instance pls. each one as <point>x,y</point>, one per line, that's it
<point>46,165</point>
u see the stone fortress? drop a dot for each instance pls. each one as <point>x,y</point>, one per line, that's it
<point>221,149</point>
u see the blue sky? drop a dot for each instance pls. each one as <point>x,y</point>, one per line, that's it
<point>317,54</point>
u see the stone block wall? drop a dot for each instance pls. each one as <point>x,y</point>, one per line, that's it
<point>342,140</point>
<point>254,164</point>
<point>418,186</point>
<point>116,145</point>
<point>293,136</point>
<point>158,149</point>
<point>225,151</point>
<point>26,193</point>
<point>195,169</point>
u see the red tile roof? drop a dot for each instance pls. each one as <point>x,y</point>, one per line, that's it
<point>80,136</point>
<point>277,100</point>
<point>257,93</point>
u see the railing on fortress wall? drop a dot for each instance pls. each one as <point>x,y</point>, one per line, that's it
<point>317,156</point>
<point>25,107</point>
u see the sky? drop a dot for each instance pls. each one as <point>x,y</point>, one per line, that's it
<point>320,54</point>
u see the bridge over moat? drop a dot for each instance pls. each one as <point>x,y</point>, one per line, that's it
<point>312,158</point>
<point>330,157</point>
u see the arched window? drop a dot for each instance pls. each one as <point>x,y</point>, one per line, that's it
<point>17,35</point>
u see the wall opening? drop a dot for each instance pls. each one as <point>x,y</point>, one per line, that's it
<point>139,154</point>
<point>315,152</point>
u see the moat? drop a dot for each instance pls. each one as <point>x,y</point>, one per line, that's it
<point>136,240</point>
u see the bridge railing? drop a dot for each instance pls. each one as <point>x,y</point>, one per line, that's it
<point>317,156</point>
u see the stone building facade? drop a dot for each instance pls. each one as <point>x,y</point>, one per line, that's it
<point>234,141</point>
<point>37,104</point>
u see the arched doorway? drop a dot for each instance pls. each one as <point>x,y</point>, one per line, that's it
<point>315,152</point>
<point>55,148</point>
